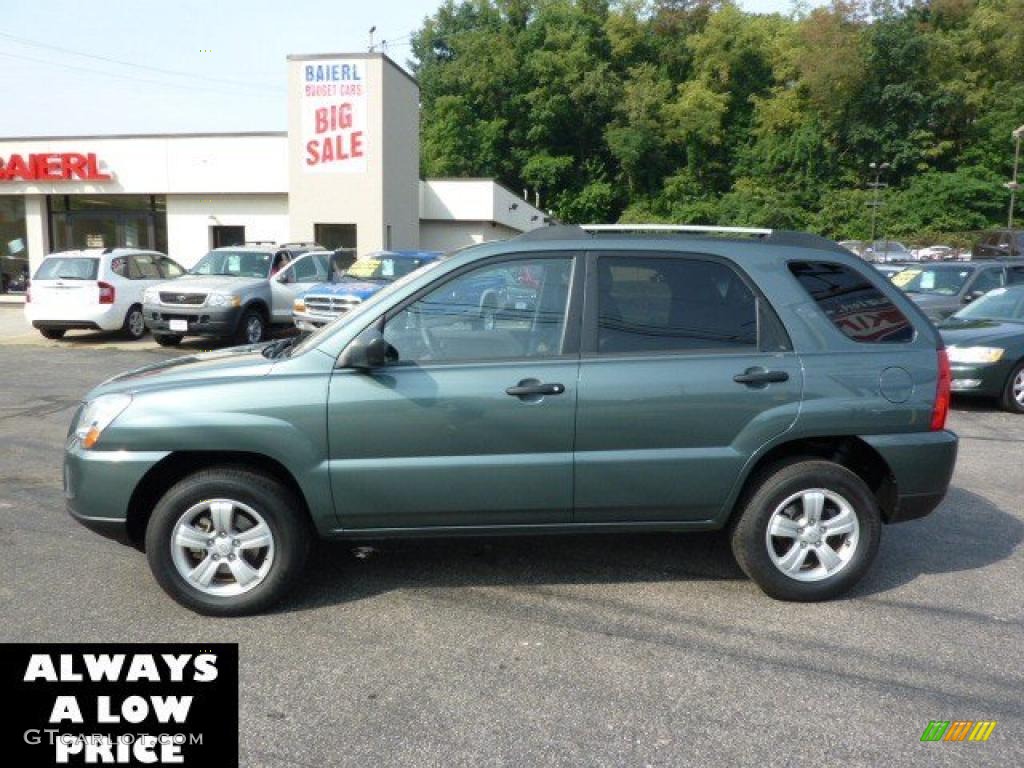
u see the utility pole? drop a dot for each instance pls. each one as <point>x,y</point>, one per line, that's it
<point>878,168</point>
<point>372,30</point>
<point>1014,186</point>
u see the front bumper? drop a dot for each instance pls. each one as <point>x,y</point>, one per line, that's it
<point>98,485</point>
<point>201,321</point>
<point>311,321</point>
<point>922,465</point>
<point>983,380</point>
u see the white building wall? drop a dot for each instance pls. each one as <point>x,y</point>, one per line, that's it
<point>448,235</point>
<point>190,218</point>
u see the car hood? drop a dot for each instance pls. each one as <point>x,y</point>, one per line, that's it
<point>208,284</point>
<point>235,362</point>
<point>357,288</point>
<point>981,332</point>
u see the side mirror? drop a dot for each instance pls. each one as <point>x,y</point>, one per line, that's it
<point>367,352</point>
<point>972,295</point>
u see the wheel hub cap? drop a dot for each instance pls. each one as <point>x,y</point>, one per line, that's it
<point>812,535</point>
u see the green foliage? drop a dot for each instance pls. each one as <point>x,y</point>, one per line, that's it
<point>695,111</point>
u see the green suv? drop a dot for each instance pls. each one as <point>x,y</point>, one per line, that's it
<point>767,383</point>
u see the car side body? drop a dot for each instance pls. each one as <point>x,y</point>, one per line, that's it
<point>626,439</point>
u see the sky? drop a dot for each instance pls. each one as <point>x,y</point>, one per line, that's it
<point>181,65</point>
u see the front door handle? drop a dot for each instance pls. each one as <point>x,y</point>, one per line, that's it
<point>534,388</point>
<point>759,377</point>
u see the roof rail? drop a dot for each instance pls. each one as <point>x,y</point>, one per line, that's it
<point>674,228</point>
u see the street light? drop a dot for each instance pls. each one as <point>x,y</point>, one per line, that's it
<point>878,168</point>
<point>1013,185</point>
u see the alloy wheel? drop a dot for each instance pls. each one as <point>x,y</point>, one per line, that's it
<point>812,535</point>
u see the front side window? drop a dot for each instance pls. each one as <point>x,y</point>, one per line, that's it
<point>310,269</point>
<point>656,304</point>
<point>513,309</point>
<point>987,280</point>
<point>170,268</point>
<point>234,264</point>
<point>854,305</point>
<point>143,266</point>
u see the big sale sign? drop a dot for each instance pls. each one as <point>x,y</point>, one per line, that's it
<point>333,104</point>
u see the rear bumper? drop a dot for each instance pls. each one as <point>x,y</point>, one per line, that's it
<point>202,321</point>
<point>922,465</point>
<point>97,317</point>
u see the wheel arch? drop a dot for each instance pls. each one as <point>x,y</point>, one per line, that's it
<point>848,451</point>
<point>178,465</point>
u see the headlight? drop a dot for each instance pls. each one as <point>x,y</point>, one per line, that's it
<point>299,306</point>
<point>97,415</point>
<point>975,354</point>
<point>151,296</point>
<point>223,300</point>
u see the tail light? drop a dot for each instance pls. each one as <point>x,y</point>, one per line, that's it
<point>941,408</point>
<point>106,293</point>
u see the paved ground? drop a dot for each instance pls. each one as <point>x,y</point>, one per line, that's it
<point>628,651</point>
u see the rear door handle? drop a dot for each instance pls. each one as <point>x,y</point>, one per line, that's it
<point>532,387</point>
<point>759,377</point>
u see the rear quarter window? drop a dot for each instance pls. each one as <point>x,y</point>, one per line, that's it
<point>858,309</point>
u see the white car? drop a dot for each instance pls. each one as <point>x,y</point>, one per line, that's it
<point>96,289</point>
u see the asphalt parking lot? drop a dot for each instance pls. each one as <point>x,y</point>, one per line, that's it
<point>598,651</point>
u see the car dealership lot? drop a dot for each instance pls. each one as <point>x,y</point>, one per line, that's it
<point>628,650</point>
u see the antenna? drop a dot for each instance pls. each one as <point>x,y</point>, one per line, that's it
<point>372,30</point>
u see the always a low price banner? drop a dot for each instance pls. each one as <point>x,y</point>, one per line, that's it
<point>120,704</point>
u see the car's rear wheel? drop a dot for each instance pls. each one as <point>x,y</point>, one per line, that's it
<point>53,333</point>
<point>134,323</point>
<point>167,339</point>
<point>251,328</point>
<point>808,531</point>
<point>227,541</point>
<point>1013,394</point>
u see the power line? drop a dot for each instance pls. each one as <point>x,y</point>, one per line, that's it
<point>132,78</point>
<point>171,72</point>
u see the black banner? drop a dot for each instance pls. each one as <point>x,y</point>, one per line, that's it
<point>120,704</point>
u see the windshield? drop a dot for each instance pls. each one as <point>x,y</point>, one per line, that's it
<point>68,268</point>
<point>998,304</point>
<point>384,268</point>
<point>234,264</point>
<point>942,282</point>
<point>318,335</point>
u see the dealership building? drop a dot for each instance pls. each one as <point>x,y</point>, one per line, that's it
<point>344,174</point>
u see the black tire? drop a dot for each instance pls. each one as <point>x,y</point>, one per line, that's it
<point>1008,402</point>
<point>167,339</point>
<point>245,333</point>
<point>53,333</point>
<point>282,512</point>
<point>750,543</point>
<point>134,326</point>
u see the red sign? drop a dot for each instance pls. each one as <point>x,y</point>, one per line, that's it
<point>52,166</point>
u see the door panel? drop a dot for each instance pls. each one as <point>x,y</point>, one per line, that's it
<point>663,425</point>
<point>665,438</point>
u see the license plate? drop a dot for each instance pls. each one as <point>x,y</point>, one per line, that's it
<point>179,325</point>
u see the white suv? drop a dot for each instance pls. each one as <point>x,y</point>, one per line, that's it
<point>97,289</point>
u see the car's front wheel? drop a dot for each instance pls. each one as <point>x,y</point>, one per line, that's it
<point>167,339</point>
<point>252,328</point>
<point>1013,393</point>
<point>227,541</point>
<point>52,333</point>
<point>808,531</point>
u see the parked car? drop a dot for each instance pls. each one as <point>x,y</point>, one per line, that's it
<point>942,288</point>
<point>887,250</point>
<point>236,293</point>
<point>354,283</point>
<point>778,388</point>
<point>1000,244</point>
<point>853,246</point>
<point>986,347</point>
<point>935,253</point>
<point>97,289</point>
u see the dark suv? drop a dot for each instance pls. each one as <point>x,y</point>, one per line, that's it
<point>1000,244</point>
<point>770,384</point>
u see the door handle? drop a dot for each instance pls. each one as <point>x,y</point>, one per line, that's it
<point>759,377</point>
<point>532,387</point>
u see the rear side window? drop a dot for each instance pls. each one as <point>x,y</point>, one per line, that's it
<point>68,268</point>
<point>672,305</point>
<point>855,306</point>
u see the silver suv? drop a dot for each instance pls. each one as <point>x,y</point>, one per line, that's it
<point>237,292</point>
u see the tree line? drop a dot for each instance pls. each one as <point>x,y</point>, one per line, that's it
<point>694,111</point>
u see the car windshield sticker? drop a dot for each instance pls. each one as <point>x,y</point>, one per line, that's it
<point>904,277</point>
<point>364,267</point>
<point>387,268</point>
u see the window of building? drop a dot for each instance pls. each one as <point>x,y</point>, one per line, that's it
<point>107,221</point>
<point>334,236</point>
<point>14,267</point>
<point>855,306</point>
<point>224,236</point>
<point>672,304</point>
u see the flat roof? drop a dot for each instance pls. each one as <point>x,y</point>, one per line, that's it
<point>364,55</point>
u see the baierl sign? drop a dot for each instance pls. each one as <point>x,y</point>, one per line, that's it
<point>52,166</point>
<point>333,107</point>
